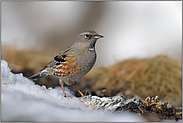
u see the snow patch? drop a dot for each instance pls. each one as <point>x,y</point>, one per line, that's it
<point>23,100</point>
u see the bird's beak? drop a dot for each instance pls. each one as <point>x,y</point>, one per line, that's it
<point>98,36</point>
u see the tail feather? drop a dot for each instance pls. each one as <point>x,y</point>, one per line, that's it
<point>36,76</point>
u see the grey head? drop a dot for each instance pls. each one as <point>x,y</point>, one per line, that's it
<point>86,39</point>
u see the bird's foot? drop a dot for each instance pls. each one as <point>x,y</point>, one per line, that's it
<point>64,95</point>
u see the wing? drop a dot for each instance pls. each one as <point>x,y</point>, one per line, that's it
<point>63,64</point>
<point>60,58</point>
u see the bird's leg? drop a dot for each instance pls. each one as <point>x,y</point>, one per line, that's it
<point>63,90</point>
<point>78,90</point>
<point>62,85</point>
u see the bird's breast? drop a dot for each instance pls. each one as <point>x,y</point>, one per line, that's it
<point>87,61</point>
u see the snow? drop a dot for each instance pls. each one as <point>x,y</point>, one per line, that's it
<point>23,100</point>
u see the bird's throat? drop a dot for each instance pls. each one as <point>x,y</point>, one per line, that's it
<point>92,46</point>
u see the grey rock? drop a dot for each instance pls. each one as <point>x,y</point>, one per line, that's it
<point>110,104</point>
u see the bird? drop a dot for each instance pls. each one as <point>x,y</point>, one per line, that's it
<point>70,65</point>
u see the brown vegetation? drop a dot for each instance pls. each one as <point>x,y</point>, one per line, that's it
<point>158,75</point>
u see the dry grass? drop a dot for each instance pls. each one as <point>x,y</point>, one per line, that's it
<point>159,75</point>
<point>19,59</point>
<point>152,105</point>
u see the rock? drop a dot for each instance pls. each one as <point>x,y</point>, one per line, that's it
<point>151,106</point>
<point>110,104</point>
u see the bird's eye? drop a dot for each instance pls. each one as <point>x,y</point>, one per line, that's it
<point>88,36</point>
